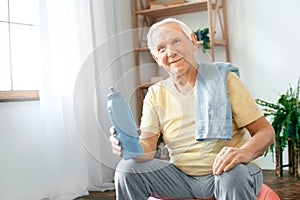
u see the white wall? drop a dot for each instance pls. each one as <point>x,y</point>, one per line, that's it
<point>264,43</point>
<point>21,132</point>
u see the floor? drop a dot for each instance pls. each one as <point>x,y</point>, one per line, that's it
<point>287,187</point>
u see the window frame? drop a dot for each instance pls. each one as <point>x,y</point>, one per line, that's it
<point>19,95</point>
<point>16,95</point>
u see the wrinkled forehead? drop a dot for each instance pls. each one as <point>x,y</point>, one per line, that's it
<point>166,31</point>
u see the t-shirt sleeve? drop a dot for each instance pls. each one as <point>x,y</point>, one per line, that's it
<point>244,107</point>
<point>150,120</point>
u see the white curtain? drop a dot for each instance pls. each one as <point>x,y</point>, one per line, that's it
<point>80,60</point>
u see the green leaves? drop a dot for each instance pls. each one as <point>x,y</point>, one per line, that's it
<point>203,35</point>
<point>286,116</point>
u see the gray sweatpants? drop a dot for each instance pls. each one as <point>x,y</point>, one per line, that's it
<point>139,180</point>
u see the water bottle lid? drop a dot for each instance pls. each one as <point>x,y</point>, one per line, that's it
<point>112,92</point>
<point>112,89</point>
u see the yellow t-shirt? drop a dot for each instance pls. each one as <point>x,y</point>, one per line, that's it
<point>171,113</point>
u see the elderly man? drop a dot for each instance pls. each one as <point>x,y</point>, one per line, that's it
<point>208,120</point>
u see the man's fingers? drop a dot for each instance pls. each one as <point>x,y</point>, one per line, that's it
<point>116,148</point>
<point>115,143</point>
<point>228,158</point>
<point>112,130</point>
<point>219,158</point>
<point>231,165</point>
<point>222,166</point>
<point>113,139</point>
<point>118,153</point>
<point>218,167</point>
<point>223,161</point>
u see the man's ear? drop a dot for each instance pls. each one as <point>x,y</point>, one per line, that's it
<point>194,39</point>
<point>154,57</point>
<point>156,60</point>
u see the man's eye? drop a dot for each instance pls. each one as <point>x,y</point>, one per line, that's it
<point>160,49</point>
<point>176,41</point>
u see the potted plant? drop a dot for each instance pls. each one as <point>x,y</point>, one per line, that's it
<point>203,35</point>
<point>285,119</point>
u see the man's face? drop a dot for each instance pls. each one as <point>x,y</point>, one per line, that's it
<point>175,51</point>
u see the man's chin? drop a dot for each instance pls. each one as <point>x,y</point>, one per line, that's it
<point>176,72</point>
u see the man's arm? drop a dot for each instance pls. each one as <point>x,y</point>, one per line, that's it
<point>149,144</point>
<point>262,137</point>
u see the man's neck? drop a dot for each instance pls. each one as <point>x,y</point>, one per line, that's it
<point>186,82</point>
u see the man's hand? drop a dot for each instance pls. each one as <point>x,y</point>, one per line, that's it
<point>229,157</point>
<point>147,140</point>
<point>115,143</point>
<point>262,136</point>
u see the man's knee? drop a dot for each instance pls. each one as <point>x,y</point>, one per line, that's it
<point>126,166</point>
<point>132,166</point>
<point>124,172</point>
<point>128,182</point>
<point>243,179</point>
<point>238,176</point>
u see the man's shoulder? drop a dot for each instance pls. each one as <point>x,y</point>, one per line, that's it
<point>161,85</point>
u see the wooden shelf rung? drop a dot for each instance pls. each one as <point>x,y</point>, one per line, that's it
<point>145,85</point>
<point>220,42</point>
<point>175,9</point>
<point>142,49</point>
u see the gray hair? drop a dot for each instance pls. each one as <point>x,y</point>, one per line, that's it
<point>186,30</point>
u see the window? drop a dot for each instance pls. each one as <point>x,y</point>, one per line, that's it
<point>19,59</point>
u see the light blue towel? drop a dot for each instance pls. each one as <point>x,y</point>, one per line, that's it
<point>213,110</point>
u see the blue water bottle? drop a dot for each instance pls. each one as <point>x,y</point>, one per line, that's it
<point>125,128</point>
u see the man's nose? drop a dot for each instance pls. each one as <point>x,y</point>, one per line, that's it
<point>170,52</point>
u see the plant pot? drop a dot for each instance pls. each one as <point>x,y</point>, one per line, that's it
<point>292,132</point>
